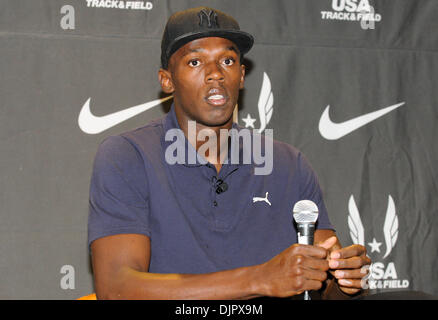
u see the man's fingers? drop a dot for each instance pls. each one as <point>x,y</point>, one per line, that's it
<point>312,285</point>
<point>352,257</point>
<point>348,252</point>
<point>311,274</point>
<point>349,290</point>
<point>301,263</point>
<point>351,263</point>
<point>307,250</point>
<point>350,274</point>
<point>350,283</point>
<point>327,243</point>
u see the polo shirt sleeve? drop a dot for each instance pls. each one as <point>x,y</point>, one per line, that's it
<point>311,190</point>
<point>118,202</point>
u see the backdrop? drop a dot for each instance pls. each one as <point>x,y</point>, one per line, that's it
<point>354,86</point>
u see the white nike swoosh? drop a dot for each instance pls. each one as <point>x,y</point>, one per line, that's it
<point>333,131</point>
<point>91,124</point>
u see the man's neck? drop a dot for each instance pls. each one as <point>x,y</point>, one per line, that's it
<point>205,139</point>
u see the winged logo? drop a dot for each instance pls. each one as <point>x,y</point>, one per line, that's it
<point>266,103</point>
<point>357,231</point>
<point>390,226</point>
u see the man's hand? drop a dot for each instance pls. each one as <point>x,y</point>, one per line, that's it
<point>349,266</point>
<point>295,270</point>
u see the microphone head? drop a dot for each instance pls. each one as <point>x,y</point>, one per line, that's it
<point>305,211</point>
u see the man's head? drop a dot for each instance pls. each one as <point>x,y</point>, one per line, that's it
<point>201,53</point>
<point>185,26</point>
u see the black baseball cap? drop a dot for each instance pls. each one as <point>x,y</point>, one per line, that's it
<point>188,25</point>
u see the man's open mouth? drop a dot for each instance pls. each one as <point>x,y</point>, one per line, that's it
<point>216,97</point>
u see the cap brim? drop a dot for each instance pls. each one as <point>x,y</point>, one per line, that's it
<point>243,40</point>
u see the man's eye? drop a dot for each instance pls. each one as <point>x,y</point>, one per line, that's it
<point>194,63</point>
<point>229,61</point>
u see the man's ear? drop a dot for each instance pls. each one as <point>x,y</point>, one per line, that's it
<point>165,78</point>
<point>242,76</point>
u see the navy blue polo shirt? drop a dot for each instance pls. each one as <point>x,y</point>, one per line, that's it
<point>192,228</point>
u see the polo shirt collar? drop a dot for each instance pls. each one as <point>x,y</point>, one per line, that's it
<point>170,122</point>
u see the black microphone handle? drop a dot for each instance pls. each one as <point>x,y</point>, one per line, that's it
<point>305,233</point>
<point>305,236</point>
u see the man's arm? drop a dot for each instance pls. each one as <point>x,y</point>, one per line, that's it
<point>121,263</point>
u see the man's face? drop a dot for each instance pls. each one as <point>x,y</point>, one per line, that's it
<point>205,77</point>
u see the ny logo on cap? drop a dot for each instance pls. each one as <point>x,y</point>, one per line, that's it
<point>210,16</point>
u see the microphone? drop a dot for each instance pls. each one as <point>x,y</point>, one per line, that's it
<point>221,186</point>
<point>305,214</point>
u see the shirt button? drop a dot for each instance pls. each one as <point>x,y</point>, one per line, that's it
<point>214,203</point>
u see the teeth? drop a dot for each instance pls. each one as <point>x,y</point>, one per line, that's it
<point>216,97</point>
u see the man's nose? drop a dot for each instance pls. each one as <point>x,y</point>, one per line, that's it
<point>214,73</point>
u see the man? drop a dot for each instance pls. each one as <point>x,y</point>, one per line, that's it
<point>161,230</point>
